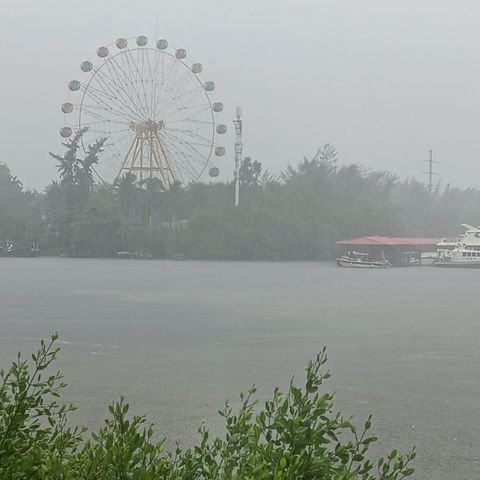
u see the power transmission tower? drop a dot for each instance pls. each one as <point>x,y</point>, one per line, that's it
<point>238,155</point>
<point>430,171</point>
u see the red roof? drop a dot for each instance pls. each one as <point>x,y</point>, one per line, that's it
<point>389,241</point>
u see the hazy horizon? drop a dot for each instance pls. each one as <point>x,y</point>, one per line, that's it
<point>382,81</point>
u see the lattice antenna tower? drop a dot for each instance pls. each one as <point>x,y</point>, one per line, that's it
<point>238,154</point>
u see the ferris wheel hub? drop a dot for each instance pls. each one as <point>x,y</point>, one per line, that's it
<point>148,126</point>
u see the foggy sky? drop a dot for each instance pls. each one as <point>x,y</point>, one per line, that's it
<point>382,80</point>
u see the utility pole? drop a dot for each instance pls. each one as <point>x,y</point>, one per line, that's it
<point>430,172</point>
<point>238,155</point>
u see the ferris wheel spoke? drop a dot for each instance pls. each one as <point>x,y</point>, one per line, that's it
<point>166,84</point>
<point>173,103</point>
<point>146,76</point>
<point>163,68</point>
<point>98,110</point>
<point>127,72</point>
<point>171,74</point>
<point>164,107</point>
<point>200,122</point>
<point>140,65</point>
<point>103,132</point>
<point>155,83</point>
<point>194,110</point>
<point>178,132</point>
<point>183,160</point>
<point>106,105</point>
<point>198,144</point>
<point>171,82</point>
<point>105,86</point>
<point>131,106</point>
<point>184,95</point>
<point>170,159</point>
<point>203,140</point>
<point>103,121</point>
<point>188,166</point>
<point>126,68</point>
<point>184,86</point>
<point>187,149</point>
<point>189,126</point>
<point>133,79</point>
<point>90,112</point>
<point>133,65</point>
<point>172,110</point>
<point>188,123</point>
<point>134,91</point>
<point>148,80</point>
<point>201,107</point>
<point>184,91</point>
<point>150,83</point>
<point>105,98</point>
<point>153,76</point>
<point>127,98</point>
<point>147,106</point>
<point>198,136</point>
<point>188,146</point>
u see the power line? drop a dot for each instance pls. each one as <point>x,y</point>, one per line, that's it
<point>458,168</point>
<point>430,172</point>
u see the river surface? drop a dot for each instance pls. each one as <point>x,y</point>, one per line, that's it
<point>179,338</point>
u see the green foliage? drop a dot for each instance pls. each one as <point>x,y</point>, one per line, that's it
<point>250,172</point>
<point>123,449</point>
<point>76,174</point>
<point>296,435</point>
<point>16,207</point>
<point>35,441</point>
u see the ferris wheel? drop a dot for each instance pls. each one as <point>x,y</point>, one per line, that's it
<point>154,108</point>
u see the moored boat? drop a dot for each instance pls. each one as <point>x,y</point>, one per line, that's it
<point>361,260</point>
<point>427,259</point>
<point>466,252</point>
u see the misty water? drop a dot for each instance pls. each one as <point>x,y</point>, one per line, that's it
<point>178,338</point>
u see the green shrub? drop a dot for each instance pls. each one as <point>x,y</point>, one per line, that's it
<point>295,435</point>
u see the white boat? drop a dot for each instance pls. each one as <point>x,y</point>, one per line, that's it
<point>361,260</point>
<point>465,253</point>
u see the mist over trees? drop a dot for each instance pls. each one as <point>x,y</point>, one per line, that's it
<point>297,215</point>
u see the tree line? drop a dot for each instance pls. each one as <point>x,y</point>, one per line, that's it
<point>297,215</point>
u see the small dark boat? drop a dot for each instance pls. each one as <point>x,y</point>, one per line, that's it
<point>361,260</point>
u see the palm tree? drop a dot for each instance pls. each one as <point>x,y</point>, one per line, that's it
<point>84,168</point>
<point>67,161</point>
<point>127,193</point>
<point>152,195</point>
<point>76,174</point>
<point>172,201</point>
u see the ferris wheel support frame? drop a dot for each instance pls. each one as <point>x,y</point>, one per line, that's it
<point>148,145</point>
